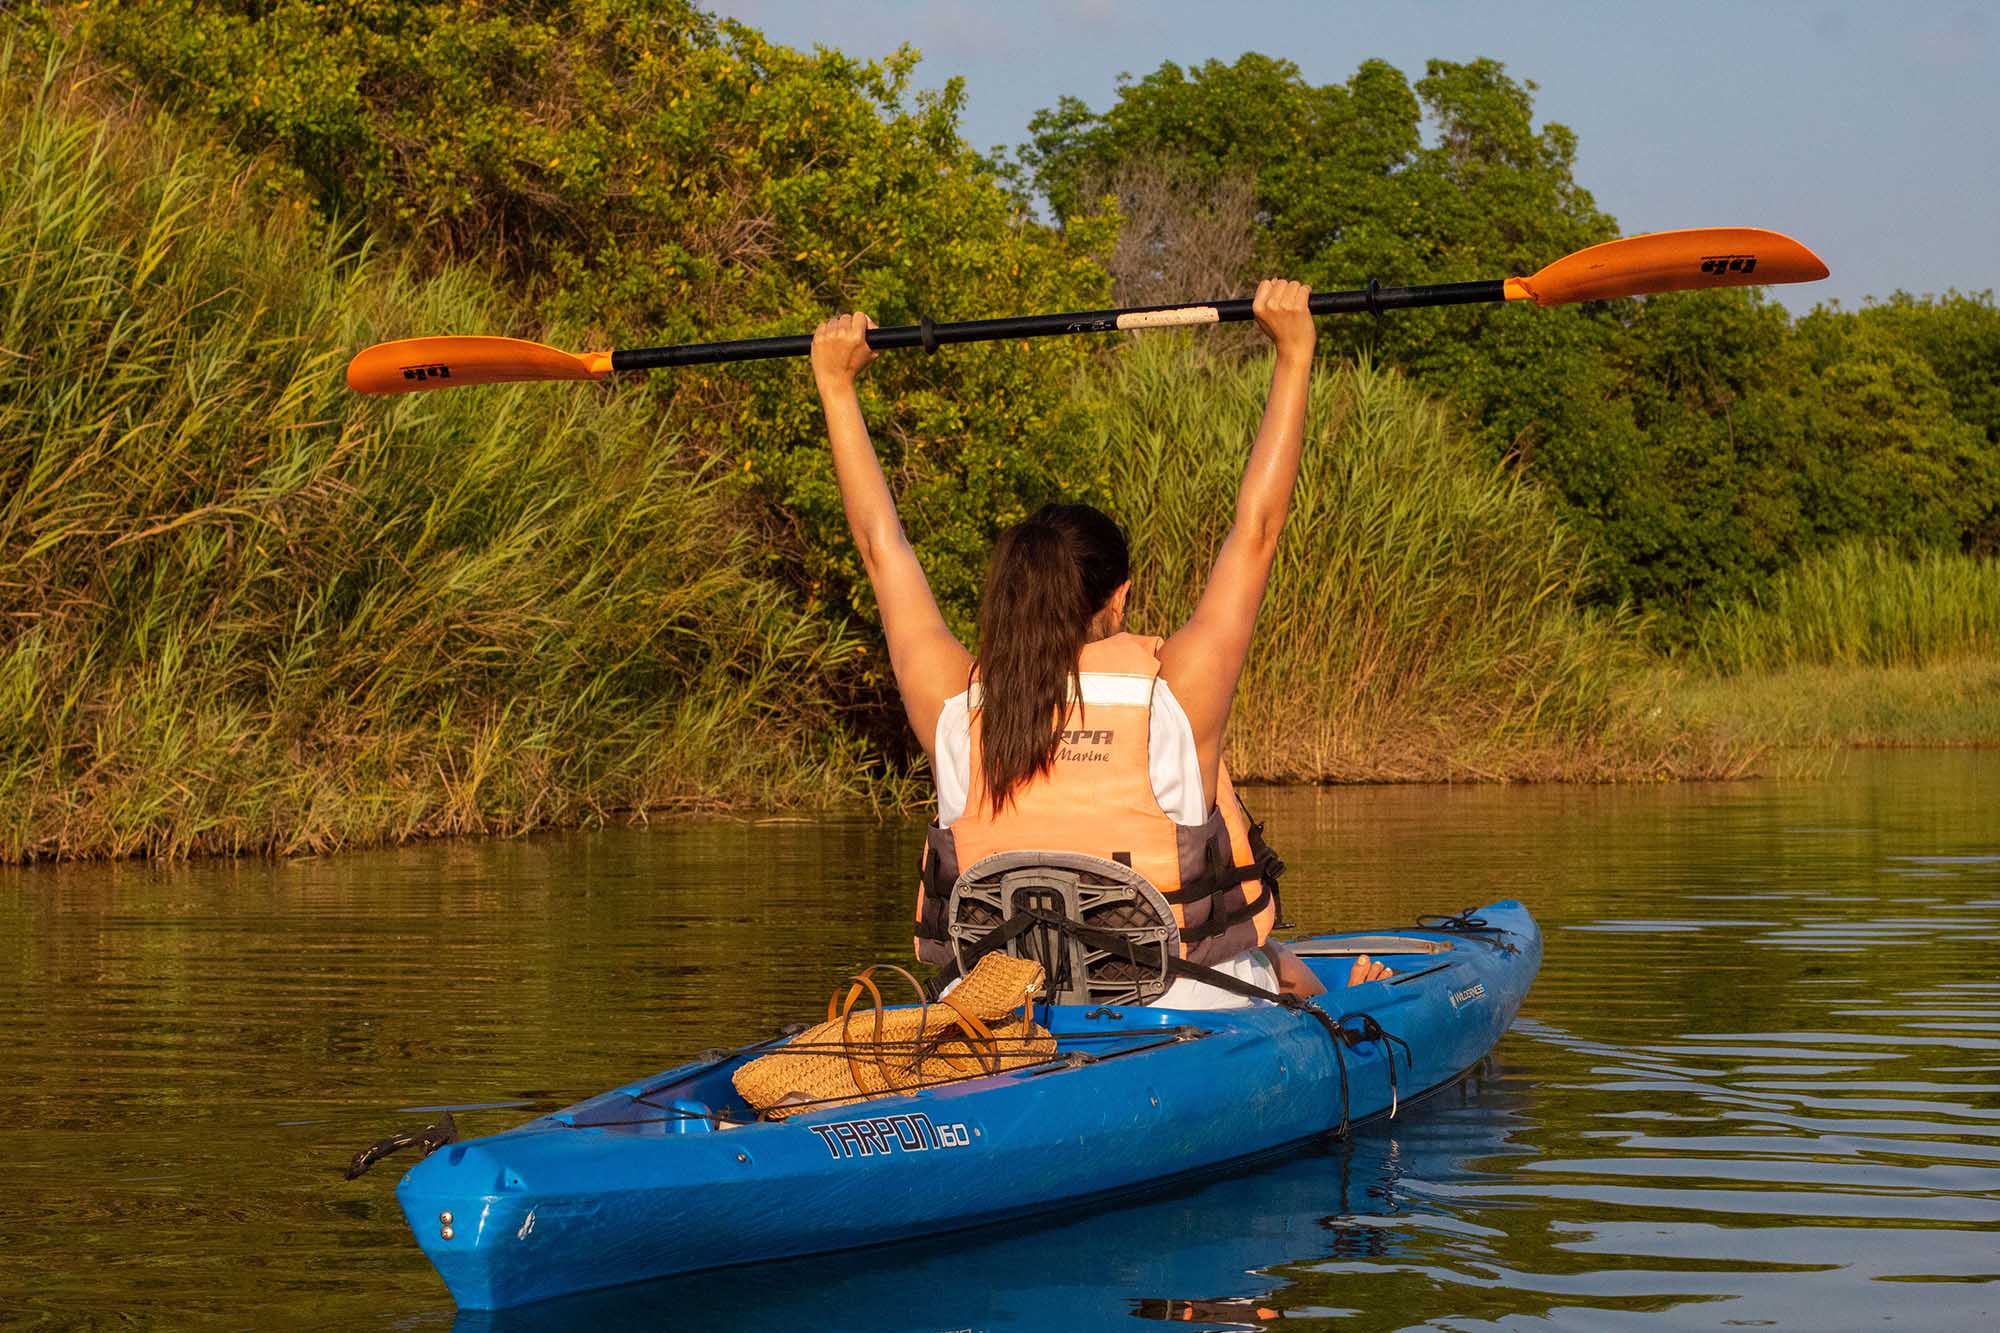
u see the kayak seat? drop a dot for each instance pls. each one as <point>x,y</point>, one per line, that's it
<point>1106,896</point>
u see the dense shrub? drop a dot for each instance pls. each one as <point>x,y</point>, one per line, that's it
<point>1954,342</point>
<point>1736,446</point>
<point>242,608</point>
<point>646,173</point>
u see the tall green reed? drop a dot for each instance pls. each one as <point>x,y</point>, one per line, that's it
<point>242,609</point>
<point>1861,603</point>
<point>1421,619</point>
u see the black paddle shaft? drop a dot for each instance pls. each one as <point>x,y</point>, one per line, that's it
<point>930,336</point>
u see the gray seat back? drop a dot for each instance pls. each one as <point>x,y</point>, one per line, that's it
<point>1089,890</point>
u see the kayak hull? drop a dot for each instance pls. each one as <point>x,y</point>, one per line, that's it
<point>613,1191</point>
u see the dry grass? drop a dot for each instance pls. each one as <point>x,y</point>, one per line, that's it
<point>1863,645</point>
<point>1952,701</point>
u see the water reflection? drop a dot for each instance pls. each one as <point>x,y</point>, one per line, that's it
<point>1758,1080</point>
<point>1212,1255</point>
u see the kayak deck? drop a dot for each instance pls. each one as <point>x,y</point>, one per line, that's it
<point>703,1098</point>
<point>664,1176</point>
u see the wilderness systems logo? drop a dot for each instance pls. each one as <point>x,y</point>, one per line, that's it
<point>1744,264</point>
<point>1476,991</point>
<point>426,372</point>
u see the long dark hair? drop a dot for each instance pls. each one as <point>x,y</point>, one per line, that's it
<point>1049,577</point>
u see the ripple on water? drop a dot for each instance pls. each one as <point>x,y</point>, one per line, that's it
<point>1756,1083</point>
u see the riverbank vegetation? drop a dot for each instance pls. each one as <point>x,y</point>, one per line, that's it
<point>1792,714</point>
<point>1861,604</point>
<point>242,609</point>
<point>1422,621</point>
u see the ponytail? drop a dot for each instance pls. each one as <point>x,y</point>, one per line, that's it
<point>1048,578</point>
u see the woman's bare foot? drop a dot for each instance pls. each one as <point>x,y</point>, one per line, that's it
<point>1366,969</point>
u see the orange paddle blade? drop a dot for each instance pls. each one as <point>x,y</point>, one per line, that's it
<point>440,363</point>
<point>1670,261</point>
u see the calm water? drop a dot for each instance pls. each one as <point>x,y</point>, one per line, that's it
<point>1758,1083</point>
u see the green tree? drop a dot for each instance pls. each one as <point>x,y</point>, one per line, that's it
<point>1700,439</point>
<point>1959,338</point>
<point>1348,188</point>
<point>1764,444</point>
<point>1890,458</point>
<point>1346,185</point>
<point>653,174</point>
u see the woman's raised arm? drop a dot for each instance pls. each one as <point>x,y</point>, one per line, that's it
<point>1203,659</point>
<point>930,663</point>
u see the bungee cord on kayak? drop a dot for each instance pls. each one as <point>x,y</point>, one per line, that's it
<point>426,1141</point>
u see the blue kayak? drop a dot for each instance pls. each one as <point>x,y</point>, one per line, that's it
<point>1209,1252</point>
<point>651,1179</point>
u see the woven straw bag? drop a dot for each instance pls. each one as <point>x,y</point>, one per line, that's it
<point>984,1026</point>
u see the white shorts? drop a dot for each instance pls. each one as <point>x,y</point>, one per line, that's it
<point>1251,966</point>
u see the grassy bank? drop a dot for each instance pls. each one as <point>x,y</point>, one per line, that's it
<point>241,608</point>
<point>1421,622</point>
<point>1861,645</point>
<point>1860,604</point>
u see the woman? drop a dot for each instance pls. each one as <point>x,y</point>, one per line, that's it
<point>1066,733</point>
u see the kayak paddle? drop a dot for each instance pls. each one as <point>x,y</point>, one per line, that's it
<point>1665,261</point>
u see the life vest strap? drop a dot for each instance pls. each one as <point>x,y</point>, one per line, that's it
<point>1219,882</point>
<point>1219,922</point>
<point>1215,882</point>
<point>1269,865</point>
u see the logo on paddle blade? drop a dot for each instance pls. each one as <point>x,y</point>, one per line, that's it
<point>1729,264</point>
<point>426,372</point>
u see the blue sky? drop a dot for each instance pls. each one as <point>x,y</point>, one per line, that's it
<point>1870,132</point>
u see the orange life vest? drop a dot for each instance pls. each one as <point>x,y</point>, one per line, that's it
<point>1097,798</point>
